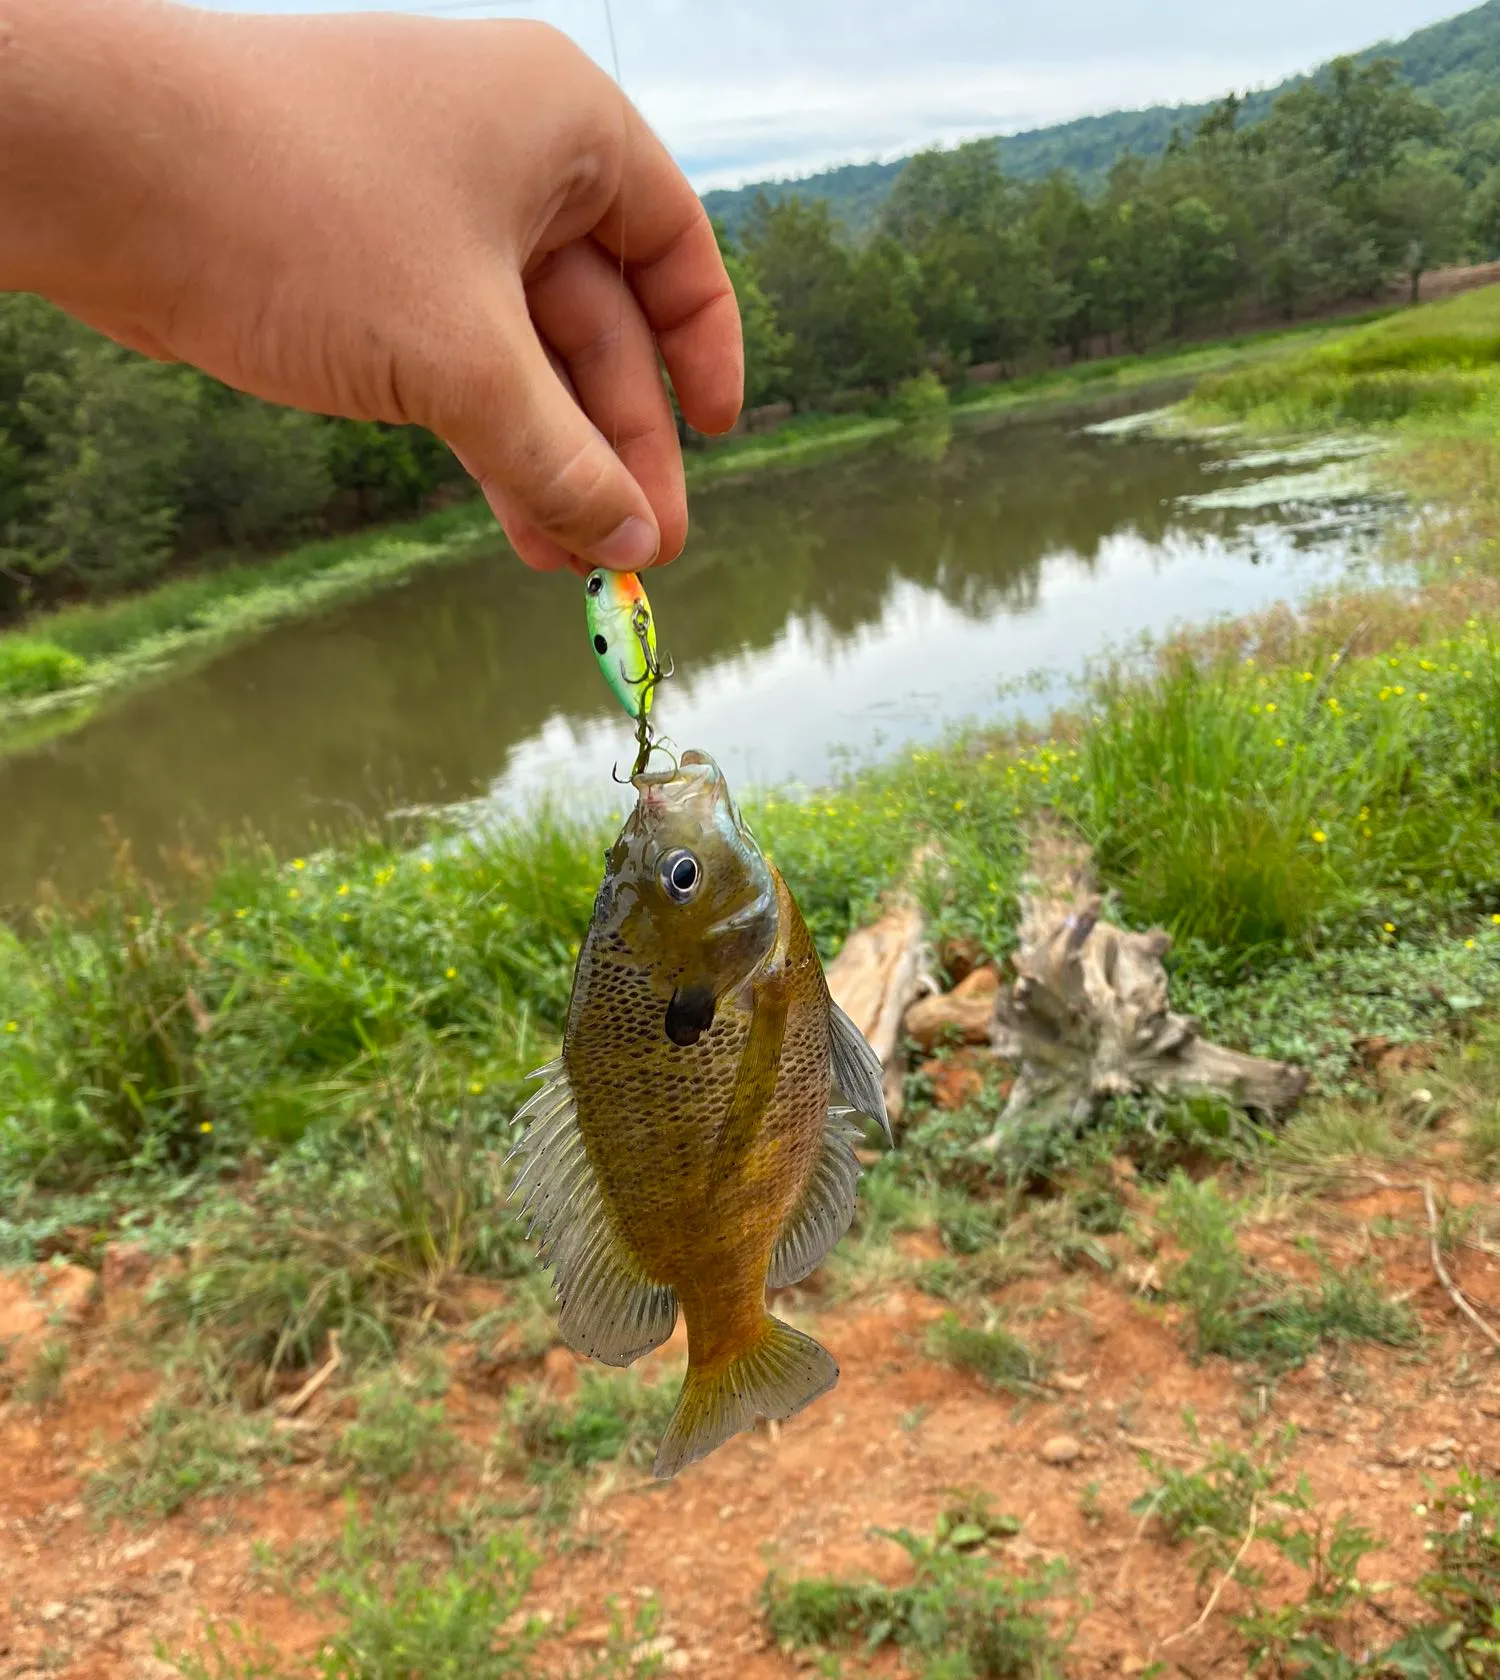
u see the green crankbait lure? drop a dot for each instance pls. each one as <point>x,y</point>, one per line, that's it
<point>623,633</point>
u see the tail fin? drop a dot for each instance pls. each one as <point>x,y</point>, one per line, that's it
<point>778,1374</point>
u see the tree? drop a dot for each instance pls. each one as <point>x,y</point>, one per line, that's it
<point>1421,209</point>
<point>768,350</point>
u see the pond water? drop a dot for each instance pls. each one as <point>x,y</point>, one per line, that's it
<point>842,610</point>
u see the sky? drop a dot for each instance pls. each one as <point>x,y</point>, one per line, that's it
<point>745,90</point>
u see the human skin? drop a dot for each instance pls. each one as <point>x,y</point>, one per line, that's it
<point>459,225</point>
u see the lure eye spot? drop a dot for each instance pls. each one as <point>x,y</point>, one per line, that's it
<point>600,645</point>
<point>595,585</point>
<point>681,875</point>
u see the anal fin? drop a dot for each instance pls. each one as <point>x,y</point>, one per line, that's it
<point>781,1372</point>
<point>608,1308</point>
<point>826,1209</point>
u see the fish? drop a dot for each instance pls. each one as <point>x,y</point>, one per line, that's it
<point>686,1149</point>
<point>623,633</point>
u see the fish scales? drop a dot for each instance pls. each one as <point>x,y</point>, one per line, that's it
<point>650,1129</point>
<point>684,1151</point>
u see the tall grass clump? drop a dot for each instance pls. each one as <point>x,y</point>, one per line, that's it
<point>1423,365</point>
<point>30,666</point>
<point>1255,812</point>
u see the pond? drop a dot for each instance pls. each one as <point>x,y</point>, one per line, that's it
<point>837,612</point>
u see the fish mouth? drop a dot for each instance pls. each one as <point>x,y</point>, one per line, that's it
<point>694,781</point>
<point>696,769</point>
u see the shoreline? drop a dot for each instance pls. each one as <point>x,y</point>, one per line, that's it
<point>132,640</point>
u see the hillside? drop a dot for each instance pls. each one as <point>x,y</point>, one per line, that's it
<point>1456,64</point>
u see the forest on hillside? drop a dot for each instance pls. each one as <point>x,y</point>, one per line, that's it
<point>114,469</point>
<point>1455,64</point>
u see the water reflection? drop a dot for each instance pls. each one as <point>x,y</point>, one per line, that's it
<point>855,605</point>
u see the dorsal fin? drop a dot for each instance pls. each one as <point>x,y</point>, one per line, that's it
<point>607,1307</point>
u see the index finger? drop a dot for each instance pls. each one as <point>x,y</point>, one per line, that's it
<point>659,228</point>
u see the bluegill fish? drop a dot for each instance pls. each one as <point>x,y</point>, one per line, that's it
<point>623,634</point>
<point>683,1150</point>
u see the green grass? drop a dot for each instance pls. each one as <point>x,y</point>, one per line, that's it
<point>962,1617</point>
<point>395,1433</point>
<point>183,1452</point>
<point>616,1417</point>
<point>994,1354</point>
<point>1242,1313</point>
<point>1437,363</point>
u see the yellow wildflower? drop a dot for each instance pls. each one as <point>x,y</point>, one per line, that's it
<point>343,889</point>
<point>293,892</point>
<point>1319,837</point>
<point>1390,927</point>
<point>206,1126</point>
<point>450,973</point>
<point>299,863</point>
<point>476,1086</point>
<point>15,1026</point>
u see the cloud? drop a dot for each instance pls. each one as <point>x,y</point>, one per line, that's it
<point>743,89</point>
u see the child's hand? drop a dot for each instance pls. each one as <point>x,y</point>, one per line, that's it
<point>385,218</point>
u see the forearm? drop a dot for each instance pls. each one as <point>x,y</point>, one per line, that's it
<point>102,114</point>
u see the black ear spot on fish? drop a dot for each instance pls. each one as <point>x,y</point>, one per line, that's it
<point>689,1015</point>
<point>600,645</point>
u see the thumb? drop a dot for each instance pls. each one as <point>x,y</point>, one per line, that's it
<point>548,472</point>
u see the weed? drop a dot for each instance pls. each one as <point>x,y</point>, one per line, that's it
<point>42,1382</point>
<point>960,1616</point>
<point>1319,1634</point>
<point>183,1452</point>
<point>612,1416</point>
<point>1242,1314</point>
<point>448,1624</point>
<point>1207,1509</point>
<point>995,1354</point>
<point>395,1434</point>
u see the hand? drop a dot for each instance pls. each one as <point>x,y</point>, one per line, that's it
<point>386,218</point>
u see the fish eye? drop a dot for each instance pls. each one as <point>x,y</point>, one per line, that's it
<point>595,584</point>
<point>680,875</point>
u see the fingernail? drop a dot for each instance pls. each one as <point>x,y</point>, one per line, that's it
<point>631,546</point>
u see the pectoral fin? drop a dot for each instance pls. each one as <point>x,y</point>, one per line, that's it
<point>754,1080</point>
<point>857,1073</point>
<point>826,1210</point>
<point>607,1307</point>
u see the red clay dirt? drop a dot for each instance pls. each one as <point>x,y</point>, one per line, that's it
<point>887,1449</point>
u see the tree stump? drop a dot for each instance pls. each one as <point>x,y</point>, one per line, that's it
<point>1088,1018</point>
<point>874,978</point>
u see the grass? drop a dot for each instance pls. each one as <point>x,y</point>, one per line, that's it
<point>995,1354</point>
<point>1243,1313</point>
<point>962,1617</point>
<point>181,1452</point>
<point>395,1433</point>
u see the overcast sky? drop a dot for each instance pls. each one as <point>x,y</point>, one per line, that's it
<point>747,89</point>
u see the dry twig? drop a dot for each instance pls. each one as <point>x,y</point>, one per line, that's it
<point>1224,1580</point>
<point>1459,1299</point>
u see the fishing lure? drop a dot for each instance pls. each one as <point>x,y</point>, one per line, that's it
<point>623,634</point>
